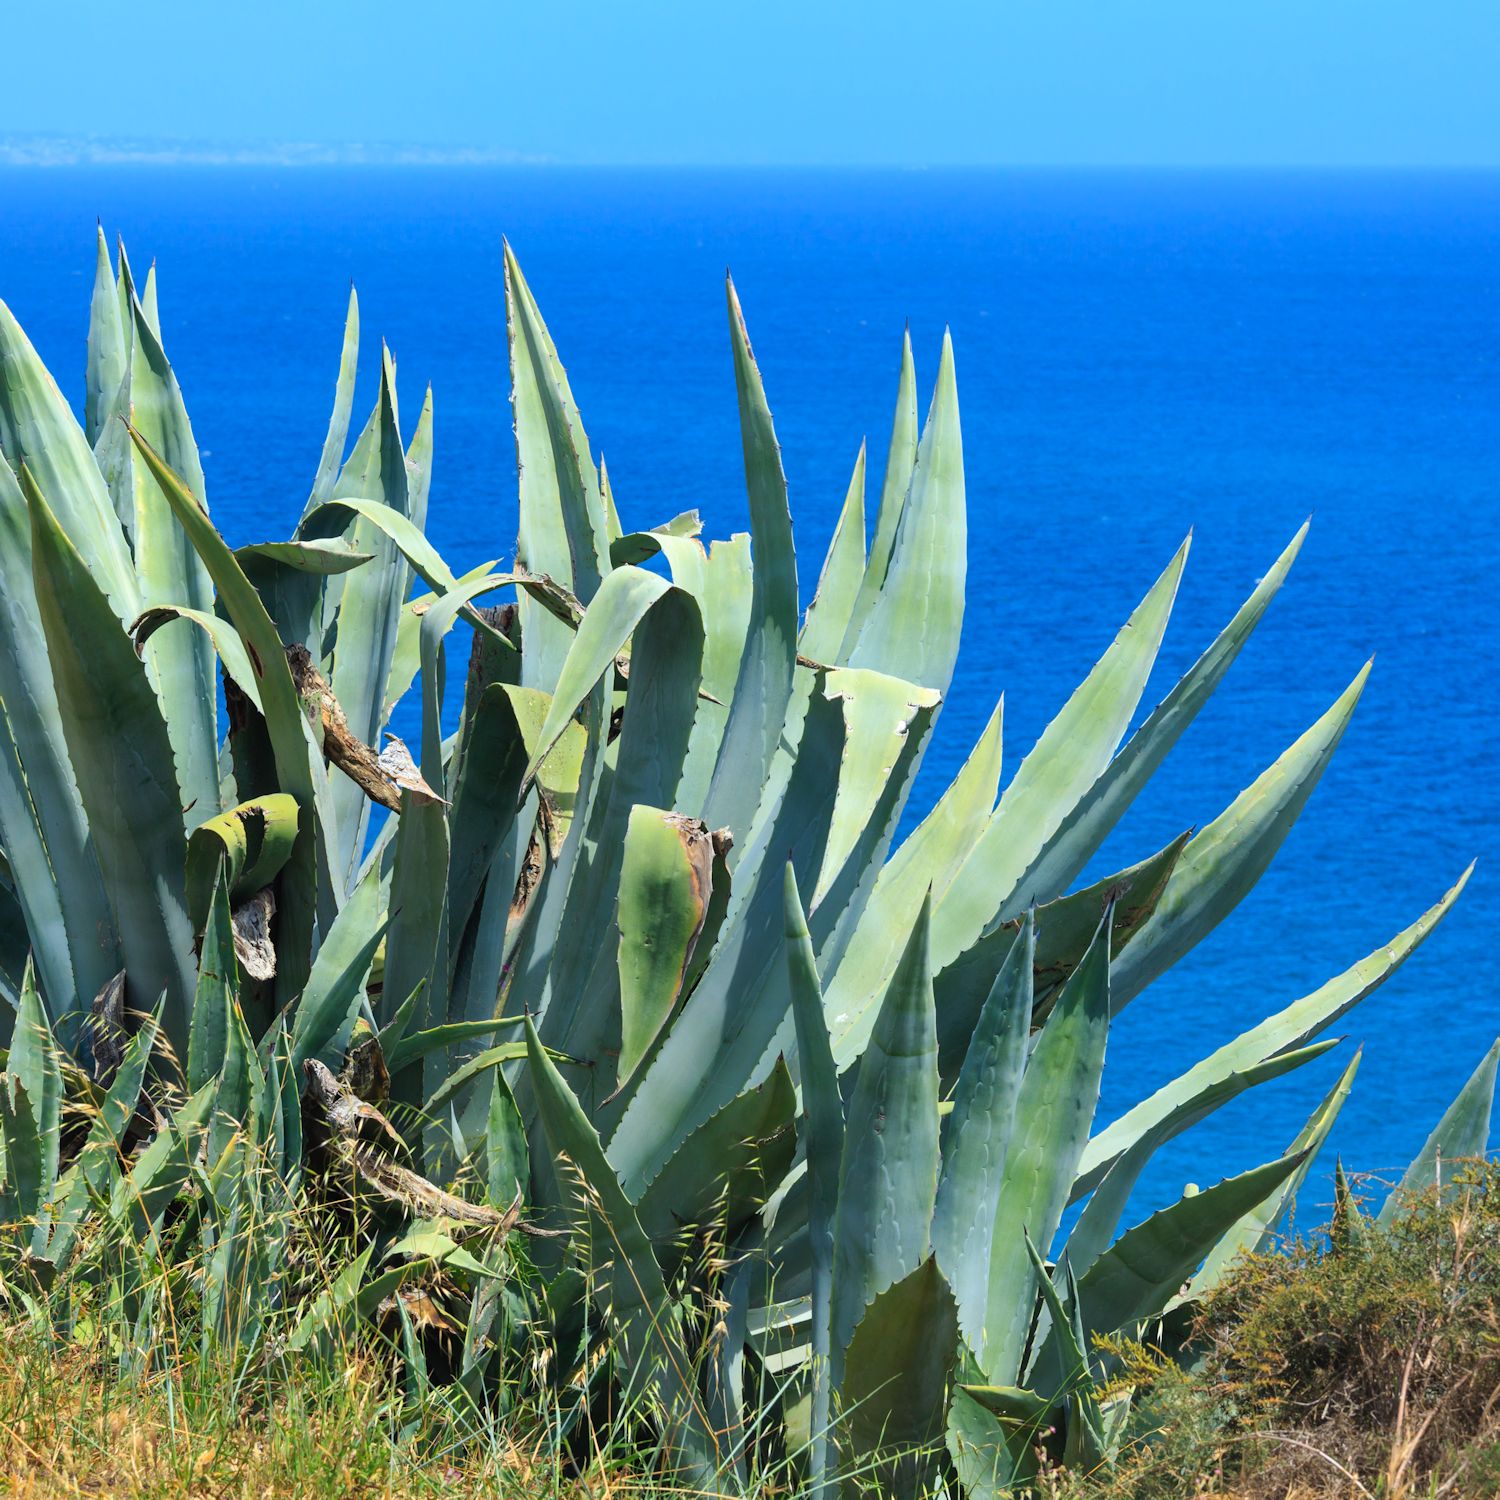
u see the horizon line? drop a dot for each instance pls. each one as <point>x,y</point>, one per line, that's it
<point>54,152</point>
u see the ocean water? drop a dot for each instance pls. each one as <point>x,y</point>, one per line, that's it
<point>1138,355</point>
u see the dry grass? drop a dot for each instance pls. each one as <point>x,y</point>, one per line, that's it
<point>69,1426</point>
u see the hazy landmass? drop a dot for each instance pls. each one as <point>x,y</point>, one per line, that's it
<point>70,151</point>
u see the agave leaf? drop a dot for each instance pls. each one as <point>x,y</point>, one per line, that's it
<point>1283,1032</point>
<point>583,1006</point>
<point>237,1083</point>
<point>823,1148</point>
<point>1054,1109</point>
<point>299,763</point>
<point>743,993</point>
<point>333,1305</point>
<point>1349,1226</point>
<point>879,713</point>
<point>763,689</point>
<point>977,1136</point>
<point>39,431</point>
<point>419,944</point>
<point>563,528</point>
<point>722,1174</point>
<point>1064,1321</point>
<point>369,605</point>
<point>108,356</point>
<point>485,780</point>
<point>319,557</point>
<point>1065,926</point>
<point>410,1046</point>
<point>226,642</point>
<point>1096,1225</point>
<point>559,771</point>
<point>284,720</point>
<point>913,624</point>
<point>563,524</point>
<point>1222,863</point>
<point>929,858</point>
<point>898,1375</point>
<point>720,580</point>
<point>666,881</point>
<point>42,822</point>
<point>419,463</point>
<point>332,459</point>
<point>629,1280</point>
<point>636,547</point>
<point>15,945</point>
<point>618,607</point>
<point>726,1036</point>
<point>122,757</point>
<point>148,298</point>
<point>992,1453</point>
<point>406,661</point>
<point>1463,1131</point>
<point>32,904</point>
<point>1064,930</point>
<point>1070,1377</point>
<point>889,1173</point>
<point>726,1377</point>
<point>21,1185</point>
<point>1145,1267</point>
<point>1255,1231</point>
<point>33,1060</point>
<point>324,1017</point>
<point>217,988</point>
<point>181,662</point>
<point>829,613</point>
<point>871,703</point>
<point>507,1162</point>
<point>250,843</point>
<point>1066,761</point>
<point>491,1057</point>
<point>901,460</point>
<point>1091,819</point>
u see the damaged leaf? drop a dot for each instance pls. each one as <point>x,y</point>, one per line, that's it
<point>666,884</point>
<point>252,842</point>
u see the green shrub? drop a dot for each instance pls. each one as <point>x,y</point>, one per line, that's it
<point>1387,1345</point>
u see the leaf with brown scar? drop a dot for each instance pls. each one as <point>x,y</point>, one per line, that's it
<point>666,886</point>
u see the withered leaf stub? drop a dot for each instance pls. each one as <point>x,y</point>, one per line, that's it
<point>345,1114</point>
<point>252,935</point>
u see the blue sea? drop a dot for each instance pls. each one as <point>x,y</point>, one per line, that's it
<point>1138,354</point>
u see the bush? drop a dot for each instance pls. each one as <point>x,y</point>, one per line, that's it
<point>1363,1362</point>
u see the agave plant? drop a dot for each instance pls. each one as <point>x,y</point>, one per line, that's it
<point>634,957</point>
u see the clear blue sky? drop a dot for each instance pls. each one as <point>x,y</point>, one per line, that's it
<point>1190,82</point>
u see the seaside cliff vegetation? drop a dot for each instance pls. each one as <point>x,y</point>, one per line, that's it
<point>602,1089</point>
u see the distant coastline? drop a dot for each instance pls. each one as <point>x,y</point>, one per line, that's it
<point>73,151</point>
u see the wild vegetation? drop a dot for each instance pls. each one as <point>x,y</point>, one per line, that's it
<point>604,1077</point>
